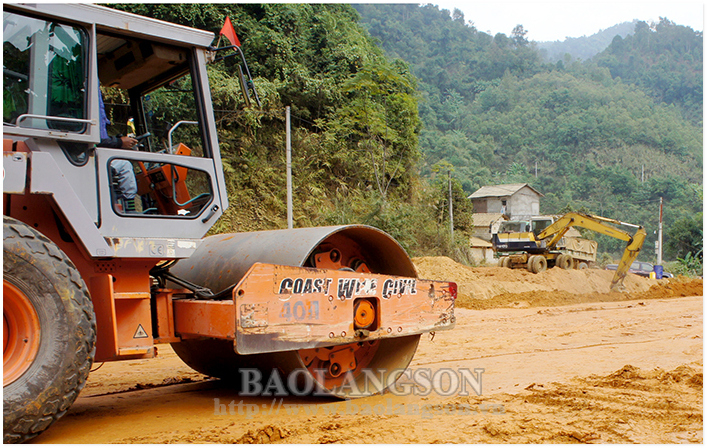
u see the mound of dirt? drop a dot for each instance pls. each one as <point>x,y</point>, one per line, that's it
<point>679,287</point>
<point>496,287</point>
<point>631,377</point>
<point>630,405</point>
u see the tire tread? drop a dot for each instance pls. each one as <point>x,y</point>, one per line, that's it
<point>30,425</point>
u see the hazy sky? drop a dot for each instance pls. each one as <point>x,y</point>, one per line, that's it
<point>555,20</point>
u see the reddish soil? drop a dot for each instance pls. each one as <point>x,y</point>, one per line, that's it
<point>565,361</point>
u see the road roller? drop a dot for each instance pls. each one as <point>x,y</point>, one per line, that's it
<point>106,205</point>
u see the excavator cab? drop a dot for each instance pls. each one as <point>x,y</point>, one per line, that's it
<point>538,224</point>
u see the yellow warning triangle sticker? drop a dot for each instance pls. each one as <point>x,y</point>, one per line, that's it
<point>140,333</point>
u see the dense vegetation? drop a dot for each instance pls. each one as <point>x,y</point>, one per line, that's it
<point>355,125</point>
<point>665,60</point>
<point>380,125</point>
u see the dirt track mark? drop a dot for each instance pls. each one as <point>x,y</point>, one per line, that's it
<point>527,352</point>
<point>142,386</point>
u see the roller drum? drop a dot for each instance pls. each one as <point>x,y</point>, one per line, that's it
<point>222,260</point>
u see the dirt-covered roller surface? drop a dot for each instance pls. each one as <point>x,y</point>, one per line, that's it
<point>565,361</point>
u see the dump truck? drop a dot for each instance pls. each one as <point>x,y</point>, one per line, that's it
<point>102,263</point>
<point>540,243</point>
<point>517,241</point>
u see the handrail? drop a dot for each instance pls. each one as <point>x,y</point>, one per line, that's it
<point>50,117</point>
<point>172,129</point>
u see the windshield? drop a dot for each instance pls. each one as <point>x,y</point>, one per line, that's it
<point>44,74</point>
<point>514,227</point>
<point>540,225</point>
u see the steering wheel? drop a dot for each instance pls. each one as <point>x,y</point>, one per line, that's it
<point>140,138</point>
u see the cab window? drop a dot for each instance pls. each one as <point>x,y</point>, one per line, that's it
<point>514,227</point>
<point>540,225</point>
<point>147,91</point>
<point>44,74</point>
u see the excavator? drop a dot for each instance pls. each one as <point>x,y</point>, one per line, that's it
<point>539,249</point>
<point>104,255</point>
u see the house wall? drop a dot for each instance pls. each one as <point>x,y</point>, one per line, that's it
<point>484,233</point>
<point>488,205</point>
<point>479,205</point>
<point>525,202</point>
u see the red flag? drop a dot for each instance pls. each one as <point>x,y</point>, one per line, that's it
<point>230,33</point>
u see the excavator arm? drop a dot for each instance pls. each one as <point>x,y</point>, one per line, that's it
<point>599,224</point>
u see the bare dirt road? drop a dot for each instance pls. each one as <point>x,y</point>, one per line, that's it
<point>564,361</point>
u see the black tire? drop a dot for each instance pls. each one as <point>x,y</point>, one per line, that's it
<point>583,266</point>
<point>45,279</point>
<point>529,264</point>
<point>559,261</point>
<point>564,261</point>
<point>537,264</point>
<point>504,262</point>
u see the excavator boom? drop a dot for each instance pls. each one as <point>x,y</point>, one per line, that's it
<point>601,225</point>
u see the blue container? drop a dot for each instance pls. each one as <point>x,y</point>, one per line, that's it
<point>658,269</point>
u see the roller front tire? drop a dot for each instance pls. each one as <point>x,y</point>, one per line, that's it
<point>49,332</point>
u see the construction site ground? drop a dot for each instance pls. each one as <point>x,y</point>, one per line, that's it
<point>565,361</point>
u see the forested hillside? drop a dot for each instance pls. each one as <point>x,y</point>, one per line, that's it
<point>380,123</point>
<point>584,47</point>
<point>609,136</point>
<point>665,60</point>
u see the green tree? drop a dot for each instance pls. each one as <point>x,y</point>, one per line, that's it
<point>685,237</point>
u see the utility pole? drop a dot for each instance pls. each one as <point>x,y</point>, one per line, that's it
<point>451,208</point>
<point>288,145</point>
<point>643,173</point>
<point>660,234</point>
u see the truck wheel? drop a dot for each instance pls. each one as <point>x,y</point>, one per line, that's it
<point>504,262</point>
<point>564,261</point>
<point>49,332</point>
<point>537,264</point>
<point>583,266</point>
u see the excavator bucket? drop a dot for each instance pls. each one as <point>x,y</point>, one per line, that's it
<point>629,256</point>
